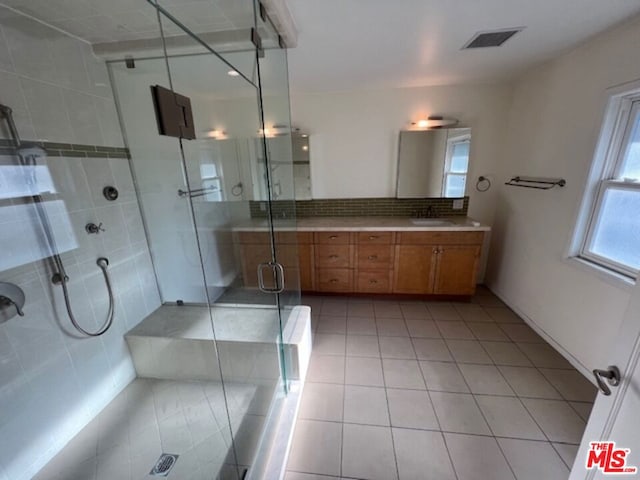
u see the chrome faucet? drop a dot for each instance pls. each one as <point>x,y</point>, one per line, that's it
<point>428,212</point>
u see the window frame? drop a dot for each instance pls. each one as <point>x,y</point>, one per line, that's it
<point>622,109</point>
<point>451,142</point>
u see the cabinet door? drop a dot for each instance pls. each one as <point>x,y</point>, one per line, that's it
<point>305,262</point>
<point>414,269</point>
<point>456,270</point>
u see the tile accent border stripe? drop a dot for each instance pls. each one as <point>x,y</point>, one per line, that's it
<point>360,207</point>
<point>55,149</point>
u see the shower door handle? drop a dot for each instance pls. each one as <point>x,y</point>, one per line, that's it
<point>277,271</point>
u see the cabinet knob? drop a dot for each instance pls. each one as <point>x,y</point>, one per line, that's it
<point>333,237</point>
<point>373,237</point>
<point>372,257</point>
<point>333,257</point>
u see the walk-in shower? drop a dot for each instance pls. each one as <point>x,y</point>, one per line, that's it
<point>174,356</point>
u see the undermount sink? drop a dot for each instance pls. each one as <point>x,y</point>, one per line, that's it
<point>431,222</point>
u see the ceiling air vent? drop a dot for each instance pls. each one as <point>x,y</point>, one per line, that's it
<point>494,38</point>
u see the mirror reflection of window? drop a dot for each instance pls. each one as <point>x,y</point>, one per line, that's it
<point>211,182</point>
<point>456,165</point>
<point>433,163</point>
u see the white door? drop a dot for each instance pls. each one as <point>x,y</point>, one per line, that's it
<point>616,418</point>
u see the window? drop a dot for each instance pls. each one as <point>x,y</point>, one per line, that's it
<point>610,237</point>
<point>456,165</point>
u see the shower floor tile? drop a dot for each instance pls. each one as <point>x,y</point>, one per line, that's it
<point>151,417</point>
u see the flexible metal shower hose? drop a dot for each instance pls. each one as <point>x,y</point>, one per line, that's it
<point>103,263</point>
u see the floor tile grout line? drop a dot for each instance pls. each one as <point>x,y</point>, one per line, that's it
<point>386,396</point>
<point>415,429</point>
<point>344,402</point>
<point>499,395</point>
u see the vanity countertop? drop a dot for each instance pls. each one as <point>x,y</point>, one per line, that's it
<point>364,224</point>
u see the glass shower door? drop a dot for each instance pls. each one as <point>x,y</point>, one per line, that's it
<point>223,186</point>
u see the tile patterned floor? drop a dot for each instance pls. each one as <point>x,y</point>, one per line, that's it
<point>415,390</point>
<point>151,416</point>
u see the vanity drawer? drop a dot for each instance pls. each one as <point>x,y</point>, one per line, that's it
<point>332,238</point>
<point>375,257</point>
<point>334,279</point>
<point>366,238</point>
<point>335,256</point>
<point>440,238</point>
<point>374,282</point>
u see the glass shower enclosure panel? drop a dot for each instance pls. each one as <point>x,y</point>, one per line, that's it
<point>222,184</point>
<point>278,165</point>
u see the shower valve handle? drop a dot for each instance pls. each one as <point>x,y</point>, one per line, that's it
<point>91,228</point>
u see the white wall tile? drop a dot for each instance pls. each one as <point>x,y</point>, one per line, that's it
<point>5,58</point>
<point>12,96</point>
<point>28,44</point>
<point>109,123</point>
<point>47,109</point>
<point>67,55</point>
<point>83,117</point>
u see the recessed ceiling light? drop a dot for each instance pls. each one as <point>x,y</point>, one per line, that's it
<point>233,73</point>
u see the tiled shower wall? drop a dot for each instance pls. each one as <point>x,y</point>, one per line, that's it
<point>52,381</point>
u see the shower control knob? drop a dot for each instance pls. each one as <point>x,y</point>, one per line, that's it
<point>91,228</point>
<point>110,193</point>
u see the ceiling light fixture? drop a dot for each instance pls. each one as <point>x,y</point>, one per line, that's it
<point>274,131</point>
<point>217,134</point>
<point>233,73</point>
<point>433,121</point>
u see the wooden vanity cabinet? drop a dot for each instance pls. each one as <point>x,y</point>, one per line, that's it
<point>438,263</point>
<point>416,262</point>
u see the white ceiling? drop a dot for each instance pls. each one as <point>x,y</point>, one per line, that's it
<point>355,44</point>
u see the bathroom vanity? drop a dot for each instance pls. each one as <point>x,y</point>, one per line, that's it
<point>372,255</point>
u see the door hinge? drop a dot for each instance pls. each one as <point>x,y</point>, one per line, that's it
<point>257,42</point>
<point>173,113</point>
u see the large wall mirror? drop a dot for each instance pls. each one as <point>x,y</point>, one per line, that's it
<point>433,163</point>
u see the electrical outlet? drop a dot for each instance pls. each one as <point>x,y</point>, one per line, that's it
<point>458,204</point>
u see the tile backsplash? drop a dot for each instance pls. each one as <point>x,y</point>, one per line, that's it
<point>360,207</point>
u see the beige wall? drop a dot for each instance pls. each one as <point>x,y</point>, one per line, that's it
<point>554,123</point>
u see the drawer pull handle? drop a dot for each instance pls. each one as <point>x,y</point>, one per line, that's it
<point>333,280</point>
<point>373,281</point>
<point>372,257</point>
<point>373,237</point>
<point>333,257</point>
<point>333,237</point>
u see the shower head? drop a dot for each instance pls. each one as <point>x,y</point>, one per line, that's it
<point>5,111</point>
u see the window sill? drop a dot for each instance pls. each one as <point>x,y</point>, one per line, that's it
<point>612,278</point>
